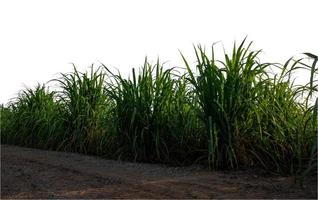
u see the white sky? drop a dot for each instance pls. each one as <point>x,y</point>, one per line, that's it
<point>40,38</point>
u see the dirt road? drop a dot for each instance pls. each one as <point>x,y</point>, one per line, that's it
<point>33,173</point>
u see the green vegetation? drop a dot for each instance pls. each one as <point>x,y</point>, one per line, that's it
<point>225,114</point>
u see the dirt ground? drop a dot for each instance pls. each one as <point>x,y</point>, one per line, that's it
<point>33,173</point>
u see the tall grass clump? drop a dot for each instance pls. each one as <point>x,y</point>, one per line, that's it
<point>285,115</point>
<point>32,119</point>
<point>253,117</point>
<point>226,93</point>
<point>84,103</point>
<point>147,109</point>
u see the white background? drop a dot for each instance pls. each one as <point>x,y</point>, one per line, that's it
<point>40,38</point>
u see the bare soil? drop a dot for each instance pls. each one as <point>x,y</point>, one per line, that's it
<point>33,173</point>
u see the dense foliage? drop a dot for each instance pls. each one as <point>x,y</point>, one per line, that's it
<point>237,112</point>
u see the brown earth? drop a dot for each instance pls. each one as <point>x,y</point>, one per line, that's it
<point>33,173</point>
